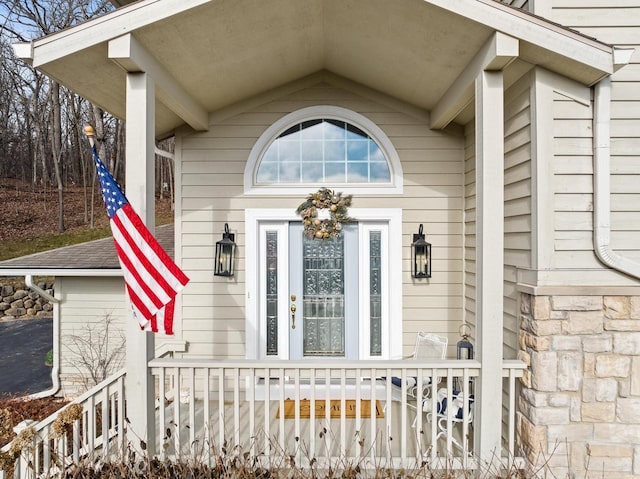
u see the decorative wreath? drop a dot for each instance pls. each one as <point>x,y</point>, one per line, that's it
<point>331,227</point>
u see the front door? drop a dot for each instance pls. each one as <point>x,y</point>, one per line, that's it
<point>329,298</point>
<point>323,295</point>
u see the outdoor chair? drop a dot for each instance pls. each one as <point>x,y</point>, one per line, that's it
<point>428,346</point>
<point>457,402</point>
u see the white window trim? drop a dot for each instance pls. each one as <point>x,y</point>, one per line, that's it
<point>255,333</point>
<point>395,187</point>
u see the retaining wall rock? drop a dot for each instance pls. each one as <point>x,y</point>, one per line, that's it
<point>17,302</point>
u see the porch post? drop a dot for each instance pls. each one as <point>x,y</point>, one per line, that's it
<point>490,257</point>
<point>140,192</point>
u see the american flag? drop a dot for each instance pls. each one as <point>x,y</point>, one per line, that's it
<point>152,278</point>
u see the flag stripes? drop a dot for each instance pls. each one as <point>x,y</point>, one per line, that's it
<point>151,277</point>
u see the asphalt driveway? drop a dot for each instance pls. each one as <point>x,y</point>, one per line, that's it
<point>23,348</point>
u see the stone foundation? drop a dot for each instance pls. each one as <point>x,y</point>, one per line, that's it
<point>579,407</point>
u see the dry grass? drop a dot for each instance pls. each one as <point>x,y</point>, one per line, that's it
<point>29,218</point>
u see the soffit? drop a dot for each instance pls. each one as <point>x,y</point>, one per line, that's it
<point>225,51</point>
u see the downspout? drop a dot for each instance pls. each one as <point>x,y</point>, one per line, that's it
<point>55,371</point>
<point>601,183</point>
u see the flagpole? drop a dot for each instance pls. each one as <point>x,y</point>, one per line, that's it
<point>139,383</point>
<point>91,136</point>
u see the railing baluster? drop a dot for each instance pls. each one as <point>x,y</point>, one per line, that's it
<point>389,416</point>
<point>372,418</point>
<point>343,413</point>
<point>192,408</point>
<point>281,437</point>
<point>236,405</point>
<point>358,418</point>
<point>206,415</point>
<point>433,411</point>
<point>104,422</point>
<point>176,410</point>
<point>296,425</point>
<point>419,412</point>
<point>121,416</point>
<point>221,411</point>
<point>46,449</point>
<point>449,435</point>
<point>267,413</point>
<point>77,424</point>
<point>328,435</point>
<point>162,411</point>
<point>312,412</point>
<point>252,409</point>
<point>403,414</point>
<point>465,413</point>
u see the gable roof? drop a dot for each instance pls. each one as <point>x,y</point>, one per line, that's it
<point>93,258</point>
<point>213,54</point>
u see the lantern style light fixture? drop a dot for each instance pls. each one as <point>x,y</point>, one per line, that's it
<point>420,256</point>
<point>464,346</point>
<point>225,253</point>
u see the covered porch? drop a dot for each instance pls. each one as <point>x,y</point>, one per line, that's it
<point>447,64</point>
<point>215,410</point>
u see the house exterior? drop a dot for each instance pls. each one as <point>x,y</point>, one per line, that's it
<point>510,132</point>
<point>87,291</point>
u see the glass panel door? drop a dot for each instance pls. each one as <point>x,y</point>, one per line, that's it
<point>324,295</point>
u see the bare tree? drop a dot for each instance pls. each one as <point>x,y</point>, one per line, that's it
<point>48,108</point>
<point>96,353</point>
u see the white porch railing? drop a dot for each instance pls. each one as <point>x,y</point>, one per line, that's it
<point>349,413</point>
<point>315,412</point>
<point>99,432</point>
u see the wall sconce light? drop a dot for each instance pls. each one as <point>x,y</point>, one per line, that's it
<point>225,253</point>
<point>420,256</point>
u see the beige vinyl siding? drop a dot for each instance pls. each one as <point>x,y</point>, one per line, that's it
<point>573,184</point>
<point>616,22</point>
<point>470,226</point>
<point>517,209</point>
<point>85,303</point>
<point>625,155</point>
<point>517,203</point>
<point>211,174</point>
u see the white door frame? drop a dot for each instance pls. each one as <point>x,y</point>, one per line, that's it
<point>254,331</point>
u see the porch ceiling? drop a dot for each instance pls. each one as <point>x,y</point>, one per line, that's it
<point>221,52</point>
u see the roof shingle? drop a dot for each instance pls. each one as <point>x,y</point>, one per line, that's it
<point>92,255</point>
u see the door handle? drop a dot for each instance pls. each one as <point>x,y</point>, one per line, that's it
<point>293,312</point>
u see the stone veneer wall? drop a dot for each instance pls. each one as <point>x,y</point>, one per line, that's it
<point>579,406</point>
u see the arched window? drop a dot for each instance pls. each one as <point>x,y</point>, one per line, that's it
<point>323,145</point>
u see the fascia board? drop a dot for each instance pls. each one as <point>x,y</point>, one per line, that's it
<point>115,24</point>
<point>534,30</point>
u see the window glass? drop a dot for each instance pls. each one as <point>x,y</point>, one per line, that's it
<point>326,151</point>
<point>375,293</point>
<point>272,293</point>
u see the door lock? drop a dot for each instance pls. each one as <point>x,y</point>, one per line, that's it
<point>293,312</point>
